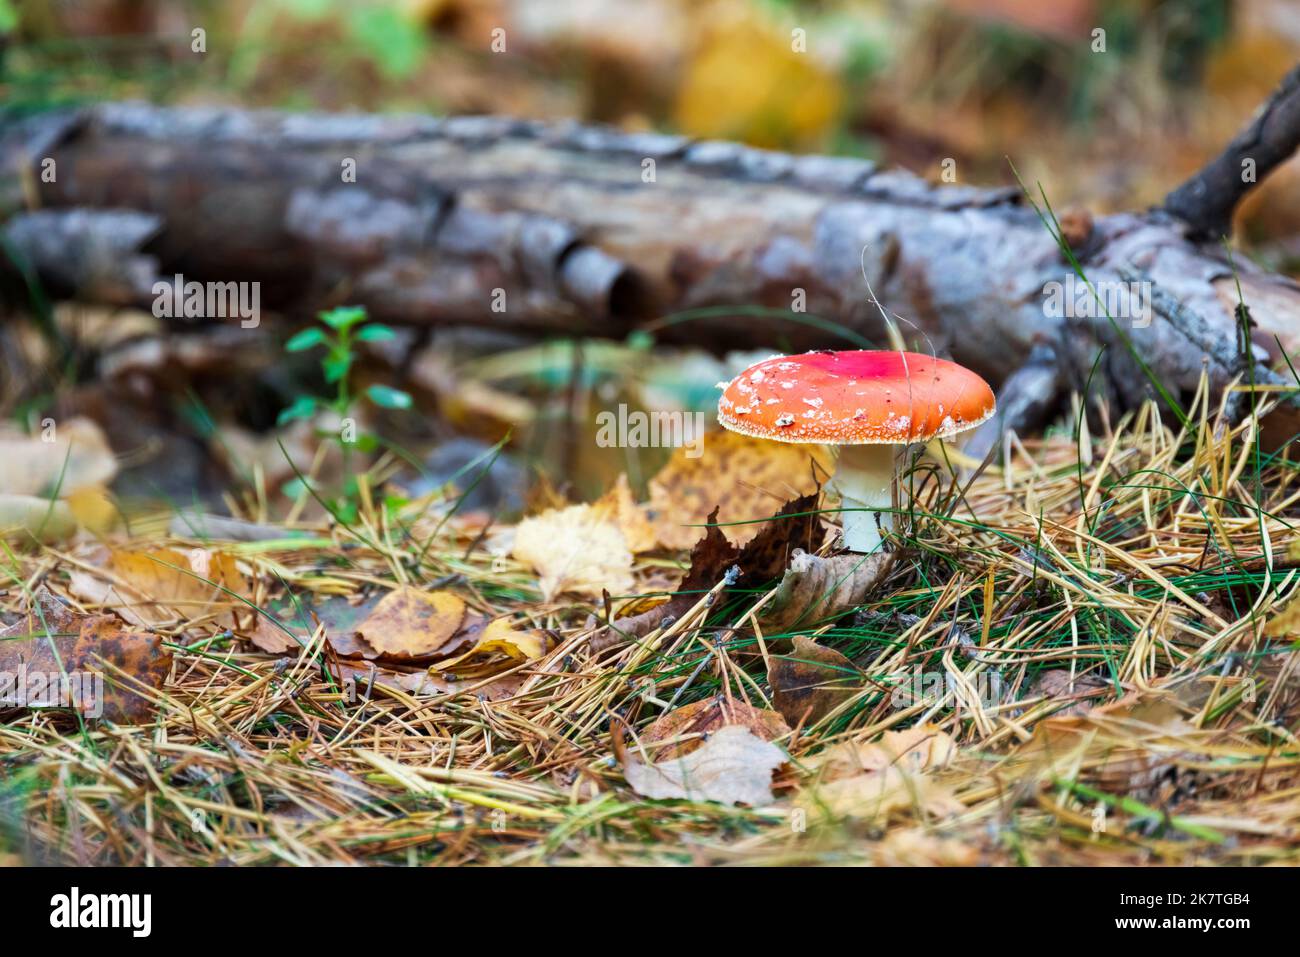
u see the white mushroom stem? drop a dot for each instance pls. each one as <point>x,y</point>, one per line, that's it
<point>864,476</point>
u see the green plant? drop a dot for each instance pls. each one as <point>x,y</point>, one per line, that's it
<point>340,331</point>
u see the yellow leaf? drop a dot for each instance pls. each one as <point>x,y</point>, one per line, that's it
<point>877,793</point>
<point>918,748</point>
<point>619,505</point>
<point>410,623</point>
<point>577,549</point>
<point>1287,621</point>
<point>746,82</point>
<point>93,509</point>
<point>747,479</point>
<point>499,636</point>
<point>152,586</point>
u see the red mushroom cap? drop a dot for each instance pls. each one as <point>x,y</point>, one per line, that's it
<point>855,398</point>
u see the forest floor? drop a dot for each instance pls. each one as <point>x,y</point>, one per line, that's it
<point>1083,655</point>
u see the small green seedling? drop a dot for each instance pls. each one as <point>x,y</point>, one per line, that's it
<point>342,328</point>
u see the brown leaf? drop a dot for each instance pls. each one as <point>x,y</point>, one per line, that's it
<point>811,682</point>
<point>741,477</point>
<point>148,587</point>
<point>877,793</point>
<point>704,718</point>
<point>1057,684</point>
<point>815,588</point>
<point>410,623</point>
<point>733,767</point>
<point>918,748</point>
<point>763,558</point>
<point>81,660</point>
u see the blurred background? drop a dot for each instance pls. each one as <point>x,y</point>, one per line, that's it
<point>910,83</point>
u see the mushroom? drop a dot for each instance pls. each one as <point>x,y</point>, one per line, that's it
<point>871,405</point>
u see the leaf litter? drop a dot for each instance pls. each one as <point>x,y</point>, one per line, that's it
<point>425,681</point>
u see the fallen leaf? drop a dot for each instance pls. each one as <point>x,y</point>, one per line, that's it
<point>1058,684</point>
<point>578,549</point>
<point>271,638</point>
<point>149,587</point>
<point>411,623</point>
<point>80,661</point>
<point>733,767</point>
<point>93,509</point>
<point>500,637</point>
<point>763,558</point>
<point>703,718</point>
<point>811,682</point>
<point>814,589</point>
<point>710,559</point>
<point>877,794</point>
<point>411,682</point>
<point>741,477</point>
<point>1287,621</point>
<point>918,748</point>
<point>745,81</point>
<point>619,504</point>
<point>1137,745</point>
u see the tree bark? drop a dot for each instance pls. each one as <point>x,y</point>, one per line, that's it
<point>577,230</point>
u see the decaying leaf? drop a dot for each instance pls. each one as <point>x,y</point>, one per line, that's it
<point>877,793</point>
<point>411,623</point>
<point>703,718</point>
<point>1058,684</point>
<point>578,549</point>
<point>918,748</point>
<point>811,682</point>
<point>1134,745</point>
<point>733,767</point>
<point>79,662</point>
<point>1287,621</point>
<point>498,637</point>
<point>149,587</point>
<point>797,525</point>
<point>914,847</point>
<point>869,780</point>
<point>815,588</point>
<point>619,504</point>
<point>742,477</point>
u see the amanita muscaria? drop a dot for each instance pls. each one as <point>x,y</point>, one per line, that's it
<point>869,404</point>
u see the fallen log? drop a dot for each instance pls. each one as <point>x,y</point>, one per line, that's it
<point>570,229</point>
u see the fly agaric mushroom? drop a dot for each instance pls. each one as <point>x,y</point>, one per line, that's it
<point>870,404</point>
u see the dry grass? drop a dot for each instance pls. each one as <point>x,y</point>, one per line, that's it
<point>1148,557</point>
